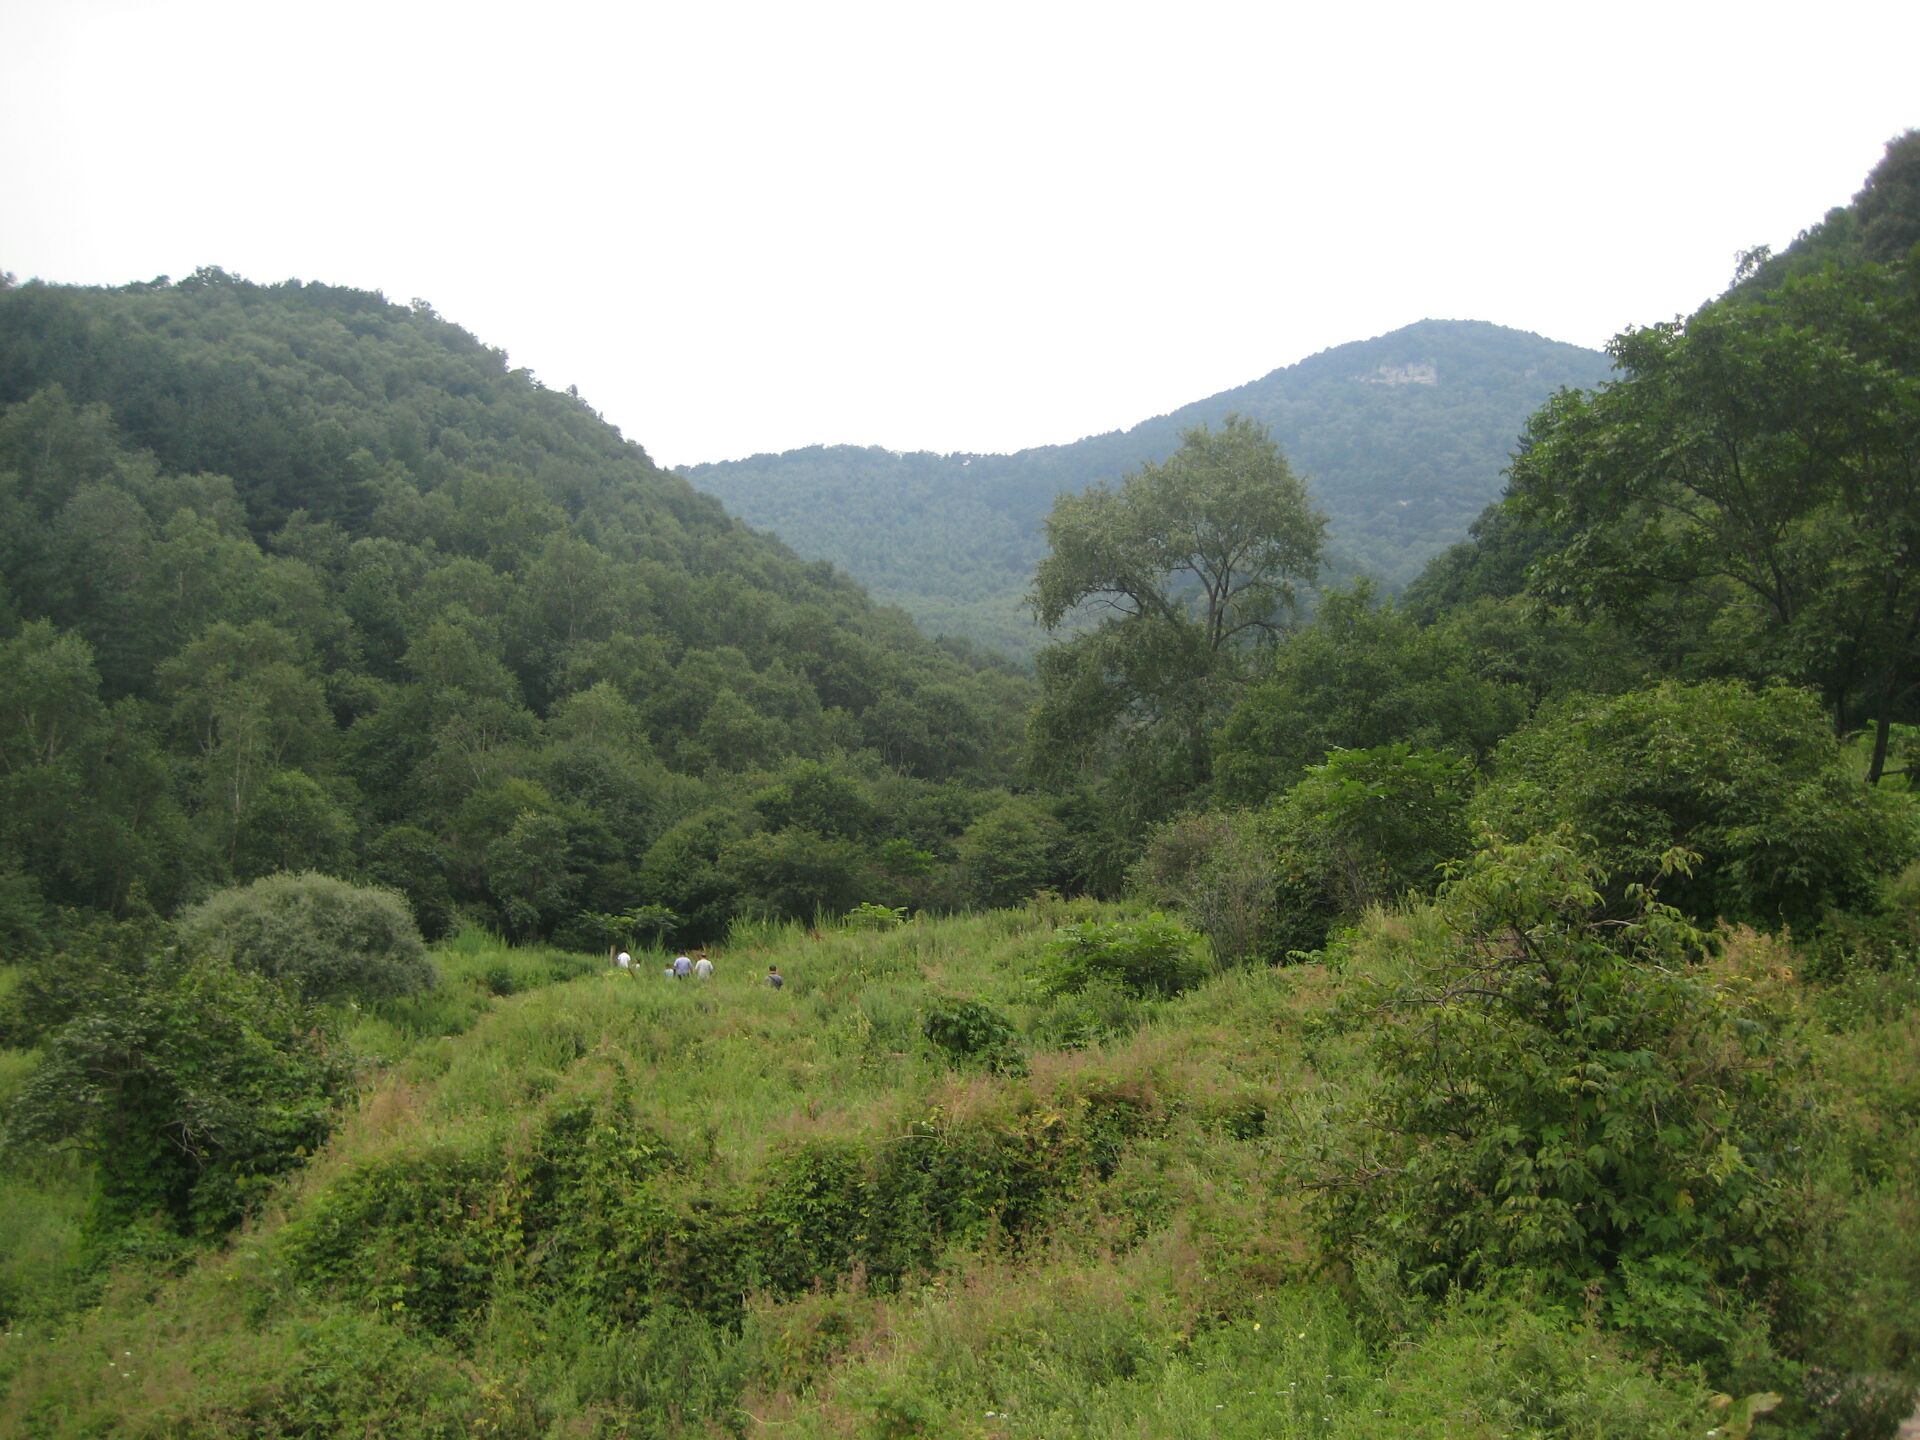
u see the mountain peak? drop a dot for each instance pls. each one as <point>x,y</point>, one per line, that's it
<point>1403,439</point>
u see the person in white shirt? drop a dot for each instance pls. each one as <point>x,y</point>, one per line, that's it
<point>625,962</point>
<point>703,967</point>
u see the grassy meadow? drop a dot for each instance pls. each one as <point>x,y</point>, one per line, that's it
<point>571,1201</point>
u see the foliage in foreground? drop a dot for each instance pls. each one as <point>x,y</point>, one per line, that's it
<point>1568,1093</point>
<point>193,1085</point>
<point>625,1204</point>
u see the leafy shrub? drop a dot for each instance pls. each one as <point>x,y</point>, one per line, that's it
<point>531,876</point>
<point>82,969</point>
<point>868,916</point>
<point>1364,828</point>
<point>1010,852</point>
<point>622,929</point>
<point>796,874</point>
<point>1150,957</point>
<point>1365,674</point>
<point>329,939</point>
<point>348,1374</point>
<point>23,915</point>
<point>1503,1367</point>
<point>818,798</point>
<point>683,871</point>
<point>408,859</point>
<point>415,1235</point>
<point>1882,937</point>
<point>672,1373</point>
<point>291,824</point>
<point>193,1085</point>
<point>970,1032</point>
<point>1219,868</point>
<point>1752,781</point>
<point>1563,1092</point>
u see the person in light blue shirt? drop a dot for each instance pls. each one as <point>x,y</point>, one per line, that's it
<point>682,967</point>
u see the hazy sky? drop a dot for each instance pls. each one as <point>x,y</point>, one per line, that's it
<point>743,227</point>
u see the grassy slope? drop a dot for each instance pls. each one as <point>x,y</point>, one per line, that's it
<point>628,1205</point>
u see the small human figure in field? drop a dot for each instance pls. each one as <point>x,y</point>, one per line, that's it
<point>625,962</point>
<point>682,967</point>
<point>702,967</point>
<point>774,977</point>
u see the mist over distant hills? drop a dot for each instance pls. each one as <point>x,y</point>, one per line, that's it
<point>1402,438</point>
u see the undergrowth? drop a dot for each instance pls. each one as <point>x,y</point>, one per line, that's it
<point>919,1190</point>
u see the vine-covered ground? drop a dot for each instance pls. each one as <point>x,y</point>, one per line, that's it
<point>570,1201</point>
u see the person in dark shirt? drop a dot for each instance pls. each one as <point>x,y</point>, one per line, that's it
<point>774,977</point>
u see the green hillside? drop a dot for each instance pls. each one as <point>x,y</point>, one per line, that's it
<point>291,576</point>
<point>1402,439</point>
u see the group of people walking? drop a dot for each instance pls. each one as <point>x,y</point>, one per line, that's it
<point>693,967</point>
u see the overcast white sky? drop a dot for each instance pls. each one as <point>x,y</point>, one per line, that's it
<point>745,227</point>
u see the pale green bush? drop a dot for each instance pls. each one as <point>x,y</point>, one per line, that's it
<point>328,939</point>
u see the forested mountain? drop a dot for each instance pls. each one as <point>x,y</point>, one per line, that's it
<point>294,576</point>
<point>1402,440</point>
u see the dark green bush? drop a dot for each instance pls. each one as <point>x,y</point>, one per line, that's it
<point>1881,937</point>
<point>1092,1015</point>
<point>83,967</point>
<point>350,1374</point>
<point>809,1218</point>
<point>408,859</point>
<point>1150,957</point>
<point>1364,828</point>
<point>1010,852</point>
<point>1750,781</point>
<point>1565,1094</point>
<point>327,938</point>
<point>418,1236</point>
<point>971,1032</point>
<point>193,1085</point>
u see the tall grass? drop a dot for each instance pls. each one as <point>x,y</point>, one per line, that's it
<point>578,1201</point>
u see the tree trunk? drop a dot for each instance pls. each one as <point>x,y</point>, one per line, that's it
<point>1883,727</point>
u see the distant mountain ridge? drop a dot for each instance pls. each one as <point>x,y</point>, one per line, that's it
<point>1403,439</point>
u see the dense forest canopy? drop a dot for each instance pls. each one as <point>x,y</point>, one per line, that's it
<point>1401,440</point>
<point>296,577</point>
